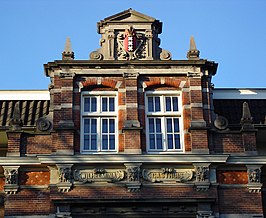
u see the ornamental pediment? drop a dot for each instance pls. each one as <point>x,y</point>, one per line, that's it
<point>130,35</point>
<point>128,15</point>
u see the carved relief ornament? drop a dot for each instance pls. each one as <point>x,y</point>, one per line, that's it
<point>168,175</point>
<point>98,175</point>
<point>130,45</point>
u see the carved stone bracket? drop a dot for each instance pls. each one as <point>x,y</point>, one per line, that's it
<point>11,179</point>
<point>254,178</point>
<point>64,177</point>
<point>202,176</point>
<point>133,176</point>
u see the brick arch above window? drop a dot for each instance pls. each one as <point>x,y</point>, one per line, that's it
<point>170,82</point>
<point>103,82</point>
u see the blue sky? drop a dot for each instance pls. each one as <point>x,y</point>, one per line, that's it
<point>229,32</point>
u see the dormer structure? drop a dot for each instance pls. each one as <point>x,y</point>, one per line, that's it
<point>132,133</point>
<point>130,35</point>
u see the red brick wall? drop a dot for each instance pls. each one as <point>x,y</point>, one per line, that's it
<point>228,143</point>
<point>14,141</point>
<point>39,144</point>
<point>28,202</point>
<point>239,201</point>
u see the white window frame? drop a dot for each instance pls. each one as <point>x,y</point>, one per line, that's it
<point>163,114</point>
<point>98,115</point>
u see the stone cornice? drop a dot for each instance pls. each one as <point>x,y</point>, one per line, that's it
<point>116,64</point>
<point>129,158</point>
<point>19,161</point>
<point>247,160</point>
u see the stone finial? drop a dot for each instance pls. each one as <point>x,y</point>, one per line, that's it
<point>68,54</point>
<point>193,52</point>
<point>16,122</point>
<point>246,120</point>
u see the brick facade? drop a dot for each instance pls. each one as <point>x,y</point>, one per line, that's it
<point>48,173</point>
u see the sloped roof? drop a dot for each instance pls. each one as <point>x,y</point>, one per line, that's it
<point>33,105</point>
<point>232,109</point>
<point>229,102</point>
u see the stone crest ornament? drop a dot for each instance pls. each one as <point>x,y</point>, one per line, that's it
<point>130,45</point>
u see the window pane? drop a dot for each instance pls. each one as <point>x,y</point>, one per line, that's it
<point>112,142</point>
<point>111,104</point>
<point>168,103</point>
<point>86,142</point>
<point>93,104</point>
<point>152,141</point>
<point>159,141</point>
<point>158,125</point>
<point>93,126</point>
<point>150,104</point>
<point>104,104</point>
<point>151,125</point>
<point>170,141</point>
<point>177,141</point>
<point>86,104</point>
<point>94,142</point>
<point>86,125</point>
<point>176,125</point>
<point>111,125</point>
<point>105,142</point>
<point>175,104</point>
<point>169,125</point>
<point>157,104</point>
<point>104,125</point>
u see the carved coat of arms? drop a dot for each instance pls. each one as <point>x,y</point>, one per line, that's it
<point>130,45</point>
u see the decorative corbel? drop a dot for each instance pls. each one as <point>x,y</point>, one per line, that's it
<point>11,179</point>
<point>202,176</point>
<point>254,178</point>
<point>133,176</point>
<point>64,177</point>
